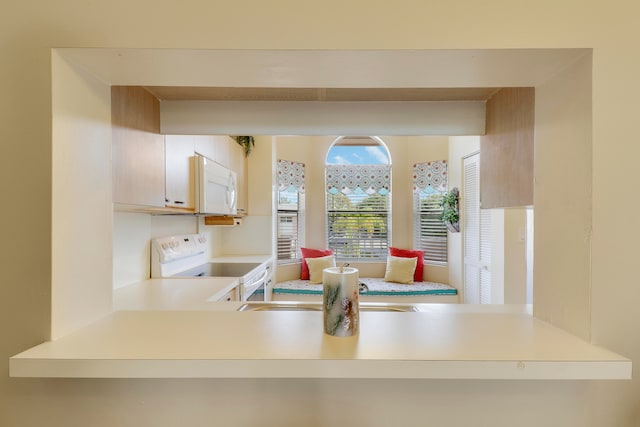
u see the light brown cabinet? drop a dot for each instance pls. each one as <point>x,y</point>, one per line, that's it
<point>507,148</point>
<point>137,148</point>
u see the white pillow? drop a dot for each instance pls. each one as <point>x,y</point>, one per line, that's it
<point>316,265</point>
<point>400,270</point>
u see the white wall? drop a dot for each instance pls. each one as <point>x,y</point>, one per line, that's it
<point>81,181</point>
<point>131,248</point>
<point>132,233</point>
<point>515,256</point>
<point>497,255</point>
<point>255,235</point>
<point>329,118</point>
<point>562,199</point>
<point>508,256</point>
<point>25,111</point>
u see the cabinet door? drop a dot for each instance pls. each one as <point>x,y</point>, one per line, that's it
<point>137,148</point>
<point>180,171</point>
<point>232,295</point>
<point>238,163</point>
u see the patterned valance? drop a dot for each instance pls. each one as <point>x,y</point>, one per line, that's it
<point>370,179</point>
<point>430,176</point>
<point>290,174</point>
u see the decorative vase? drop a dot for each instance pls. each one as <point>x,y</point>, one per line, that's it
<point>340,304</point>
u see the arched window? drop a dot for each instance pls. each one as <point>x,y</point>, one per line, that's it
<point>358,195</point>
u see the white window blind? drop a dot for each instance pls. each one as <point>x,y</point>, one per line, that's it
<point>430,232</point>
<point>290,216</point>
<point>358,225</point>
<point>358,202</point>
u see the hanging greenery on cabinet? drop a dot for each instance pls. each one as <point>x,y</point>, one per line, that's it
<point>247,143</point>
<point>450,210</point>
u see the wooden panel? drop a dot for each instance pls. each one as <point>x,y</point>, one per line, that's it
<point>176,93</point>
<point>506,150</point>
<point>137,147</point>
<point>135,108</point>
<point>220,220</point>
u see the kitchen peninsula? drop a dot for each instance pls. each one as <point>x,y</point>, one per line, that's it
<point>214,340</point>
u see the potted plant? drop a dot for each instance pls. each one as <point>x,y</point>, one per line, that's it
<point>247,143</point>
<point>450,211</point>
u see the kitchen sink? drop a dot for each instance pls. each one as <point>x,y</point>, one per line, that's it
<point>306,306</point>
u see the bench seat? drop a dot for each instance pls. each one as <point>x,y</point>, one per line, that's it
<point>371,289</point>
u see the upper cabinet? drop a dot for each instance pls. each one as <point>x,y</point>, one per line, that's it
<point>238,163</point>
<point>137,148</point>
<point>180,171</point>
<point>506,150</point>
<point>154,172</point>
<point>180,166</point>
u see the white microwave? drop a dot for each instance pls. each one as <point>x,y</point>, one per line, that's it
<point>216,188</point>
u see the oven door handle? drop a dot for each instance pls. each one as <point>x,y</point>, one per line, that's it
<point>260,280</point>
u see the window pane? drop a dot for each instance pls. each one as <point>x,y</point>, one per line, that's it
<point>287,235</point>
<point>354,235</point>
<point>358,226</point>
<point>288,199</point>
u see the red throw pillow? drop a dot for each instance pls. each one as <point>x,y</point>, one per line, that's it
<point>311,253</point>
<point>406,253</point>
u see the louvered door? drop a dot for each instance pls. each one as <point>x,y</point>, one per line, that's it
<point>477,237</point>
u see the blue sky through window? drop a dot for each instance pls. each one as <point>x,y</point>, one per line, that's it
<point>357,155</point>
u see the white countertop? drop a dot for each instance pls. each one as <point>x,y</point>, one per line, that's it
<point>449,341</point>
<point>179,293</point>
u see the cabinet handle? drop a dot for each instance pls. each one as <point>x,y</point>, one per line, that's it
<point>178,202</point>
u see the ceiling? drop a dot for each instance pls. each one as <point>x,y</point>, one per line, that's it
<point>182,93</point>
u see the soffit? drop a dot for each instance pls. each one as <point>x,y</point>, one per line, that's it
<point>477,68</point>
<point>182,93</point>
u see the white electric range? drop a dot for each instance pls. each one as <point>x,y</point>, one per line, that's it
<point>186,256</point>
